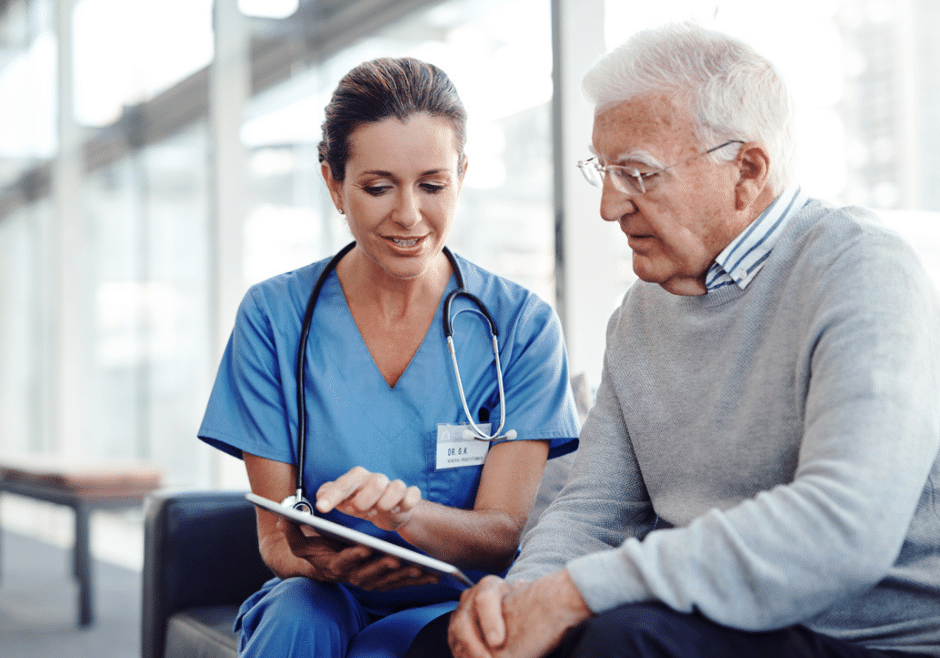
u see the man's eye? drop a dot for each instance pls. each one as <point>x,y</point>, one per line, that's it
<point>622,173</point>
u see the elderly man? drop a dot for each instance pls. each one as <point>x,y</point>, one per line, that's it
<point>760,474</point>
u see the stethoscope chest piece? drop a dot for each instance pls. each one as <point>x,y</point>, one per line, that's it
<point>299,503</point>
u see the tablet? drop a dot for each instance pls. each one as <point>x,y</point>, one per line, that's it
<point>350,536</point>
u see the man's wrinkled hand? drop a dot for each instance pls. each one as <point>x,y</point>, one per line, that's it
<point>521,620</point>
<point>476,626</point>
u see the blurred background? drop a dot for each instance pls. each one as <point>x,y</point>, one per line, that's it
<point>157,157</point>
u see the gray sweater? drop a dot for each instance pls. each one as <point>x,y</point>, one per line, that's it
<point>768,457</point>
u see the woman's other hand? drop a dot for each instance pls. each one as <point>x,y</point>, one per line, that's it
<point>335,562</point>
<point>371,496</point>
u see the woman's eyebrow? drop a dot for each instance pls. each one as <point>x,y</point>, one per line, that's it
<point>388,174</point>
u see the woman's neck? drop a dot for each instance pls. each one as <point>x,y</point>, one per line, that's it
<point>392,314</point>
<point>367,286</point>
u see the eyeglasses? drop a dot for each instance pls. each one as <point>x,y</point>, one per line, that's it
<point>630,180</point>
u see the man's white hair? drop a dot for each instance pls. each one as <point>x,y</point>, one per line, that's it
<point>731,91</point>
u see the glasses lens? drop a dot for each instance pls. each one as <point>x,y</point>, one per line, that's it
<point>591,173</point>
<point>626,180</point>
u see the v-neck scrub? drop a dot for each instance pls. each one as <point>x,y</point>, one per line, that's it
<point>356,418</point>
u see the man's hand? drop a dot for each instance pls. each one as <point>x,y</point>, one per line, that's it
<point>497,619</point>
<point>477,625</point>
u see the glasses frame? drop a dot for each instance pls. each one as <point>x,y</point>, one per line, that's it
<point>629,180</point>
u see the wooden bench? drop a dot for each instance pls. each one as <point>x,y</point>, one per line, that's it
<point>85,487</point>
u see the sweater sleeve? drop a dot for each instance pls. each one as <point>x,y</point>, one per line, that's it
<point>870,434</point>
<point>603,501</point>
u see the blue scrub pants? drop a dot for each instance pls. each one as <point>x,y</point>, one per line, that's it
<point>656,631</point>
<point>301,617</point>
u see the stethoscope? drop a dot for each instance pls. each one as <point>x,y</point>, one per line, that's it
<point>299,501</point>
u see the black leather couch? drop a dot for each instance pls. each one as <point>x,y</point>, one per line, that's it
<point>201,561</point>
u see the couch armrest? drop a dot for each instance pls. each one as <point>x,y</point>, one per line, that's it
<point>200,549</point>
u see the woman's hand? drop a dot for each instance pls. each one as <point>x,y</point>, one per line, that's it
<point>298,550</point>
<point>371,496</point>
<point>334,562</point>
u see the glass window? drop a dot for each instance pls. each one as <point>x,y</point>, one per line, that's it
<point>152,363</point>
<point>503,74</point>
<point>268,8</point>
<point>27,87</point>
<point>148,46</point>
<point>23,330</point>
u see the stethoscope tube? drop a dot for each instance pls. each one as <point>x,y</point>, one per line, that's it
<point>299,501</point>
<point>476,433</point>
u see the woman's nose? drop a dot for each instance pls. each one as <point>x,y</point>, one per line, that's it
<point>408,212</point>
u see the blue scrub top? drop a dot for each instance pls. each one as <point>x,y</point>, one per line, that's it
<point>355,417</point>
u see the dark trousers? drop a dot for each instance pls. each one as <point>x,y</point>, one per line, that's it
<point>656,631</point>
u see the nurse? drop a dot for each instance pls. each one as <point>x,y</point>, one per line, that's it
<point>382,401</point>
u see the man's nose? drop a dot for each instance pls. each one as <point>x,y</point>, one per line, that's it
<point>615,203</point>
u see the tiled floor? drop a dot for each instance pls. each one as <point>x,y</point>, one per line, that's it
<point>39,598</point>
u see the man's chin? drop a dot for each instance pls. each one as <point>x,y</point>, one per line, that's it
<point>645,271</point>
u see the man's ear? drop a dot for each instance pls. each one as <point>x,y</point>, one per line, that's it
<point>332,185</point>
<point>754,166</point>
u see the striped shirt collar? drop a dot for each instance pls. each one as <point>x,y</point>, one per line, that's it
<point>741,260</point>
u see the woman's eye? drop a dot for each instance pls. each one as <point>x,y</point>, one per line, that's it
<point>376,190</point>
<point>432,188</point>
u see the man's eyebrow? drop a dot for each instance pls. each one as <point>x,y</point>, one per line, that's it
<point>636,157</point>
<point>641,157</point>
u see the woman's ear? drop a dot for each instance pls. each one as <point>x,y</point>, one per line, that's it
<point>754,170</point>
<point>333,185</point>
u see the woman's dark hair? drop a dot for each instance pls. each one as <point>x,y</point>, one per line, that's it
<point>383,88</point>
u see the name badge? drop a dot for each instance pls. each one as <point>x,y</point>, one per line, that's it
<point>454,451</point>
